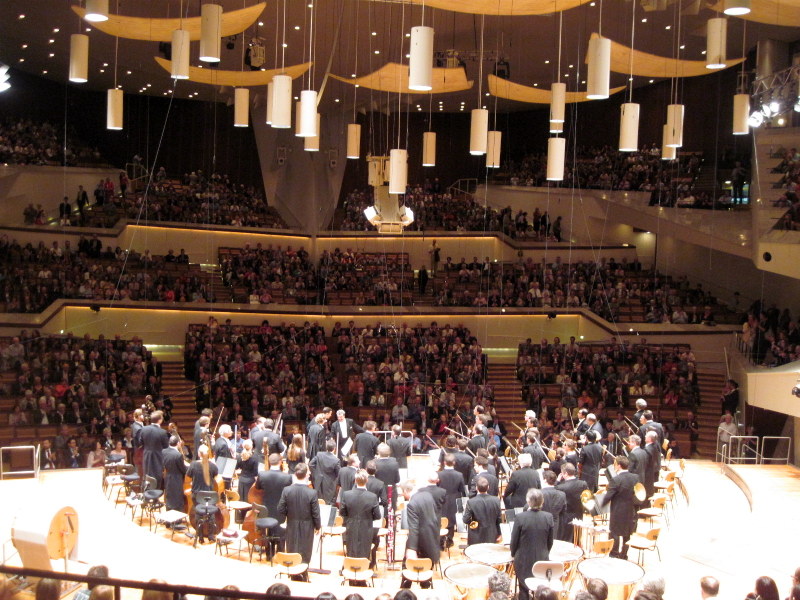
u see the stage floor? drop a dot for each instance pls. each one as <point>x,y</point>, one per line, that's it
<point>716,534</point>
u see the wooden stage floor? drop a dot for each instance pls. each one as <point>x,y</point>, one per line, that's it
<point>715,534</point>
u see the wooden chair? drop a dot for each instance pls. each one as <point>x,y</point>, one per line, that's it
<point>648,541</point>
<point>337,530</point>
<point>357,569</point>
<point>602,548</point>
<point>546,573</point>
<point>656,510</point>
<point>444,524</point>
<point>418,570</point>
<point>290,564</point>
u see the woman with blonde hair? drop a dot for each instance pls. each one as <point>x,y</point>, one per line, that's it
<point>295,453</point>
<point>248,469</point>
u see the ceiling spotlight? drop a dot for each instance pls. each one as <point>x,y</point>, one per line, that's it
<point>737,7</point>
<point>652,80</point>
<point>96,11</point>
<point>261,23</point>
<point>50,41</point>
<point>644,20</point>
<point>24,46</point>
<point>668,27</point>
<point>56,30</point>
<point>775,107</point>
<point>297,27</point>
<point>21,17</point>
<point>756,119</point>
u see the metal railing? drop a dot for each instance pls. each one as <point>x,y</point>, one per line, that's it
<point>464,186</point>
<point>751,449</point>
<point>779,439</point>
<point>34,461</point>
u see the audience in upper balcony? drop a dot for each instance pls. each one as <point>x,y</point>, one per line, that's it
<point>24,142</point>
<point>789,181</point>
<point>770,335</point>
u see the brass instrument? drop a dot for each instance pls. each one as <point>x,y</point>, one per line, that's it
<point>634,427</point>
<point>474,525</point>
<point>639,492</point>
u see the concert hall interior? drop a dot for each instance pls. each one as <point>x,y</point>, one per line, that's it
<point>399,299</point>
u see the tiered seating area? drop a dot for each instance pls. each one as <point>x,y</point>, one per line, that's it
<point>25,142</point>
<point>789,168</point>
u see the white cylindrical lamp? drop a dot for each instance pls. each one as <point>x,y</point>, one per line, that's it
<point>181,48</point>
<point>307,121</point>
<point>241,108</point>
<point>629,127</point>
<point>78,58</point>
<point>429,149</point>
<point>282,102</point>
<point>675,125</point>
<point>96,11</point>
<point>716,43</point>
<point>599,68</point>
<point>398,171</point>
<point>311,142</point>
<point>558,99</point>
<point>493,144</point>
<point>420,63</point>
<point>667,152</point>
<point>270,95</point>
<point>741,114</point>
<point>297,110</point>
<point>556,126</point>
<point>736,8</point>
<point>354,141</point>
<point>556,149</point>
<point>114,113</point>
<point>478,131</point>
<point>210,32</point>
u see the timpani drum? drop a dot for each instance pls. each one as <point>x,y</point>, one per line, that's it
<point>565,552</point>
<point>468,580</point>
<point>621,576</point>
<point>489,554</point>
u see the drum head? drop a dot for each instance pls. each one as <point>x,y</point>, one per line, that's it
<point>469,575</point>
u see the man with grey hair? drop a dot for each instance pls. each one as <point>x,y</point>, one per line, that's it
<point>387,470</point>
<point>344,429</point>
<point>709,587</point>
<point>531,538</point>
<point>637,457</point>
<point>423,522</point>
<point>499,582</point>
<point>641,406</point>
<point>521,480</point>
<point>654,584</point>
<point>653,451</point>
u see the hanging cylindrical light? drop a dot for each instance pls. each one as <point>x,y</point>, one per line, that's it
<point>629,127</point>
<point>96,11</point>
<point>311,142</point>
<point>599,68</point>
<point>716,43</point>
<point>398,171</point>
<point>307,126</point>
<point>478,131</point>
<point>741,113</point>
<point>297,110</point>
<point>78,58</point>
<point>556,149</point>
<point>282,101</point>
<point>354,140</point>
<point>210,32</point>
<point>114,109</point>
<point>241,108</point>
<point>667,152</point>
<point>737,8</point>
<point>493,143</point>
<point>420,63</point>
<point>675,125</point>
<point>270,98</point>
<point>558,99</point>
<point>429,149</point>
<point>556,126</point>
<point>181,47</point>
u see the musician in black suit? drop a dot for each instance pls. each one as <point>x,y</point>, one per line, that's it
<point>641,406</point>
<point>223,447</point>
<point>452,482</point>
<point>423,527</point>
<point>154,440</point>
<point>637,457</point>
<point>200,429</point>
<point>268,441</point>
<point>175,473</point>
<point>376,486</point>
<point>439,494</point>
<point>346,479</point>
<point>325,471</point>
<point>531,538</point>
<point>257,434</point>
<point>359,508</point>
<point>520,482</point>
<point>482,515</point>
<point>478,439</point>
<point>555,501</point>
<point>573,488</point>
<point>590,459</point>
<point>534,448</point>
<point>343,429</point>
<point>622,513</point>
<point>464,462</point>
<point>366,444</point>
<point>481,470</point>
<point>298,506</point>
<point>272,482</point>
<point>387,470</point>
<point>315,434</point>
<point>400,447</point>
<point>649,424</point>
<point>136,435</point>
<point>555,465</point>
<point>653,461</point>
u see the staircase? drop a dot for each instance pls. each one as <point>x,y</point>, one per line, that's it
<point>507,394</point>
<point>708,413</point>
<point>181,392</point>
<point>212,277</point>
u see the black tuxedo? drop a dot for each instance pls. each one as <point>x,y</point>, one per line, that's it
<point>423,526</point>
<point>465,465</point>
<point>366,446</point>
<point>486,511</point>
<point>401,450</point>
<point>622,514</point>
<point>388,472</point>
<point>346,480</point>
<point>298,506</point>
<point>638,462</point>
<point>175,469</point>
<point>537,454</point>
<point>652,426</point>
<point>272,483</point>
<point>222,448</point>
<point>531,540</point>
<point>591,457</point>
<point>359,508</point>
<point>555,502</point>
<point>377,487</point>
<point>494,484</point>
<point>452,482</point>
<point>154,440</point>
<point>519,483</point>
<point>652,468</point>
<point>573,489</point>
<point>350,431</point>
<point>325,468</point>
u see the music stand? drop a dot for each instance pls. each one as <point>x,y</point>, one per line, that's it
<point>327,519</point>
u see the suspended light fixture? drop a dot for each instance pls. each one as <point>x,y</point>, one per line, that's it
<point>556,127</point>
<point>737,8</point>
<point>311,142</point>
<point>270,94</point>
<point>398,171</point>
<point>478,131</point>
<point>429,149</point>
<point>667,152</point>
<point>558,98</point>
<point>599,68</point>
<point>181,49</point>
<point>96,11</point>
<point>354,141</point>
<point>282,102</point>
<point>298,109</point>
<point>307,125</point>
<point>78,58</point>
<point>241,107</point>
<point>556,149</point>
<point>210,32</point>
<point>420,64</point>
<point>674,138</point>
<point>756,119</point>
<point>493,143</point>
<point>4,77</point>
<point>114,109</point>
<point>716,43</point>
<point>629,111</point>
<point>741,113</point>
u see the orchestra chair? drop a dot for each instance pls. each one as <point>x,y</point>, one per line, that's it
<point>547,573</point>
<point>335,530</point>
<point>290,564</point>
<point>235,504</point>
<point>602,548</point>
<point>444,523</point>
<point>111,479</point>
<point>657,510</point>
<point>679,479</point>
<point>264,524</point>
<point>226,537</point>
<point>663,484</point>
<point>357,570</point>
<point>668,458</point>
<point>151,499</point>
<point>642,543</point>
<point>418,570</point>
<point>127,473</point>
<point>205,507</point>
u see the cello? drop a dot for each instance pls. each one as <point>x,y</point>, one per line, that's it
<point>222,516</point>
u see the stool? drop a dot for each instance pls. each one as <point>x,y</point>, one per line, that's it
<point>205,507</point>
<point>129,480</point>
<point>151,499</point>
<point>174,519</point>
<point>264,523</point>
<point>226,537</point>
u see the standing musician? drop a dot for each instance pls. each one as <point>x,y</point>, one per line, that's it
<point>521,480</point>
<point>641,406</point>
<point>299,507</point>
<point>478,439</point>
<point>154,440</point>
<point>202,473</point>
<point>622,517</point>
<point>534,448</point>
<point>271,442</point>
<point>423,528</point>
<point>325,471</point>
<point>573,488</point>
<point>531,538</point>
<point>359,508</point>
<point>272,482</point>
<point>482,515</point>
<point>400,447</point>
<point>224,447</point>
<point>649,424</point>
<point>590,459</point>
<point>316,435</point>
<point>452,482</point>
<point>653,467</point>
<point>594,425</point>
<point>376,486</point>
<point>201,428</point>
<point>582,427</point>
<point>343,429</point>
<point>366,444</point>
<point>175,472</point>
<point>530,419</point>
<point>387,470</point>
<point>555,501</point>
<point>571,455</point>
<point>257,433</point>
<point>481,471</point>
<point>248,469</point>
<point>464,461</point>
<point>347,476</point>
<point>637,457</point>
<point>612,446</point>
<point>136,431</point>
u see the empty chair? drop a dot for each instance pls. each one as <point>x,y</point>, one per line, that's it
<point>648,541</point>
<point>357,570</point>
<point>290,564</point>
<point>547,573</point>
<point>418,570</point>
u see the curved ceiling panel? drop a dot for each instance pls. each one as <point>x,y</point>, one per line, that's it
<point>160,30</point>
<point>236,78</point>
<point>502,88</point>
<point>393,77</point>
<point>770,12</point>
<point>503,7</point>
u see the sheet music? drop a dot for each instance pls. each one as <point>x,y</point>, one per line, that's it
<point>346,448</point>
<point>226,466</point>
<point>505,532</point>
<point>435,454</point>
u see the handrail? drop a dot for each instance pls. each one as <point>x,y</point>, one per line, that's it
<point>469,185</point>
<point>781,460</point>
<point>35,461</point>
<point>738,444</point>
